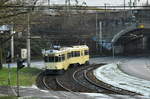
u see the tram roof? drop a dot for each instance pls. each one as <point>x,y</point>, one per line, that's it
<point>65,49</point>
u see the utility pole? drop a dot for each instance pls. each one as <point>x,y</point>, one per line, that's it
<point>28,43</point>
<point>68,4</point>
<point>105,8</point>
<point>130,4</point>
<point>135,3</point>
<point>124,3</point>
<point>100,36</point>
<point>124,12</point>
<point>96,32</point>
<point>12,43</point>
<point>147,3</point>
<point>48,3</point>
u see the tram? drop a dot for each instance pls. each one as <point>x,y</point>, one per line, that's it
<point>58,60</point>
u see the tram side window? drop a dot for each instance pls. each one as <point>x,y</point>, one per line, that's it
<point>72,54</point>
<point>76,53</point>
<point>69,55</point>
<point>63,57</point>
<point>86,52</point>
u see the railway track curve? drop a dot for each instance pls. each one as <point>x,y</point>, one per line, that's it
<point>78,79</point>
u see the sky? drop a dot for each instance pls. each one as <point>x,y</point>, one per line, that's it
<point>100,2</point>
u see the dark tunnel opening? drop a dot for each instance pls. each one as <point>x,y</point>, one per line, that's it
<point>134,42</point>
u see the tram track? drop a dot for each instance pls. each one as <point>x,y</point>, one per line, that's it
<point>80,76</point>
<point>39,81</point>
<point>78,79</point>
<point>46,86</point>
<point>46,82</point>
<point>55,85</point>
<point>62,85</point>
<point>70,84</point>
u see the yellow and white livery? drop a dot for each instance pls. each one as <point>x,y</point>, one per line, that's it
<point>58,60</point>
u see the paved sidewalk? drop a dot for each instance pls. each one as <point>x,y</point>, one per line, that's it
<point>35,93</point>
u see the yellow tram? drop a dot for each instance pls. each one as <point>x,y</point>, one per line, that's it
<point>58,60</point>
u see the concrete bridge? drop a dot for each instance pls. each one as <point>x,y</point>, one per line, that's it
<point>135,38</point>
<point>129,30</point>
<point>132,36</point>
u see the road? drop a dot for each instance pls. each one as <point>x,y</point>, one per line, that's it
<point>138,67</point>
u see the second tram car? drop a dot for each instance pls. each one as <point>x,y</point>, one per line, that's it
<point>58,60</point>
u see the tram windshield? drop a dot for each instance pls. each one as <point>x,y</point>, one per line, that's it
<point>54,58</point>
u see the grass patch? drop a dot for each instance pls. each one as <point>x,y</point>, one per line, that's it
<point>27,76</point>
<point>8,97</point>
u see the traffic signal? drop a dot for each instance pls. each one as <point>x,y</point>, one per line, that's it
<point>20,64</point>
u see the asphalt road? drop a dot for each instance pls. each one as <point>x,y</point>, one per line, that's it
<point>138,67</point>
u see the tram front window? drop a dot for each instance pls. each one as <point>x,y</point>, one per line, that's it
<point>57,59</point>
<point>52,59</point>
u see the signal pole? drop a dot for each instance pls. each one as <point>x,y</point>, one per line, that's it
<point>0,55</point>
<point>18,95</point>
<point>28,43</point>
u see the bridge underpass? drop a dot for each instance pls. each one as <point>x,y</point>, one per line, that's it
<point>132,40</point>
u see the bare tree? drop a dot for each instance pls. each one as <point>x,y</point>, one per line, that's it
<point>14,11</point>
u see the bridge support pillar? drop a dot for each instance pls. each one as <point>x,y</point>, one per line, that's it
<point>145,39</point>
<point>118,49</point>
